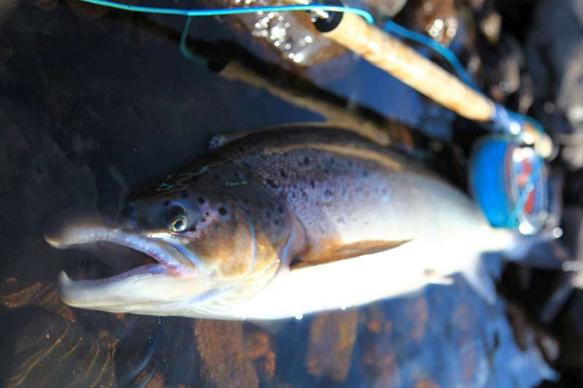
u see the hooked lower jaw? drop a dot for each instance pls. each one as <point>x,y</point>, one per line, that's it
<point>170,278</point>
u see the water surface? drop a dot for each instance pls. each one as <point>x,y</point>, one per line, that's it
<point>93,103</point>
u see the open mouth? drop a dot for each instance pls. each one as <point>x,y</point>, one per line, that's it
<point>164,276</point>
<point>154,256</point>
<point>102,260</point>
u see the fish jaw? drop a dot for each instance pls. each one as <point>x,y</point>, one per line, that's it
<point>146,289</point>
<point>142,290</point>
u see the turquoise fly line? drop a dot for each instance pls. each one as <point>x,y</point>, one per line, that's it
<point>232,11</point>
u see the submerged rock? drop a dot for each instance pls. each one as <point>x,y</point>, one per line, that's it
<point>331,342</point>
<point>225,361</point>
<point>286,37</point>
<point>555,60</point>
<point>437,19</point>
<point>385,8</point>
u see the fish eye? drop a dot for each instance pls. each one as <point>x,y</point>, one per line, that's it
<point>179,223</point>
<point>177,220</point>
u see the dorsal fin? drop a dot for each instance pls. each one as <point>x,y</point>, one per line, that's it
<point>217,141</point>
<point>334,252</point>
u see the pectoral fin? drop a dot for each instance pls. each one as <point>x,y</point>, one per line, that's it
<point>433,278</point>
<point>331,252</point>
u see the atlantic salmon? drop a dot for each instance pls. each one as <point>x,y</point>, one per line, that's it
<point>285,222</point>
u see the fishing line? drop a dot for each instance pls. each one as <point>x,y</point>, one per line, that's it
<point>504,120</point>
<point>184,50</point>
<point>233,11</point>
<point>405,33</point>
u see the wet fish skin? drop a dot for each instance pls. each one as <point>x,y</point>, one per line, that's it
<point>346,214</point>
<point>343,187</point>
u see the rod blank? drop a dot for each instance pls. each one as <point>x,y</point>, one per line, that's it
<point>402,62</point>
<point>411,68</point>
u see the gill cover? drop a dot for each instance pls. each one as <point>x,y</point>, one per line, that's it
<point>222,219</point>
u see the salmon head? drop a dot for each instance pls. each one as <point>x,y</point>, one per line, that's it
<point>213,234</point>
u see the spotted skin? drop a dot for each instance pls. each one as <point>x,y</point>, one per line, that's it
<point>257,227</point>
<point>345,190</point>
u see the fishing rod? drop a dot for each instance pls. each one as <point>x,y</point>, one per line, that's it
<point>402,62</point>
<point>508,177</point>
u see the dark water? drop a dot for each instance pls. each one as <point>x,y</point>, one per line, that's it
<point>92,104</point>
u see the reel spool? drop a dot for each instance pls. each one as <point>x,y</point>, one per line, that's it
<point>510,184</point>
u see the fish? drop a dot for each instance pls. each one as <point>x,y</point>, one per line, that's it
<point>285,222</point>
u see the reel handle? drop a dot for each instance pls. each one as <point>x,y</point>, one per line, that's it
<point>540,141</point>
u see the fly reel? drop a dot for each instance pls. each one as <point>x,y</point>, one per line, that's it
<point>510,183</point>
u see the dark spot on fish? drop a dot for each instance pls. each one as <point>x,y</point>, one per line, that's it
<point>328,192</point>
<point>268,214</point>
<point>167,202</point>
<point>313,184</point>
<point>236,174</point>
<point>276,222</point>
<point>184,194</point>
<point>282,173</point>
<point>271,183</point>
<point>200,200</point>
<point>303,192</point>
<point>222,211</point>
<point>365,173</point>
<point>306,161</point>
<point>280,210</point>
<point>203,220</point>
<point>192,228</point>
<point>207,214</point>
<point>332,161</point>
<point>246,165</point>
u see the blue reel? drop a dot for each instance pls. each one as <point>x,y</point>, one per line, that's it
<point>510,184</point>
